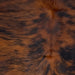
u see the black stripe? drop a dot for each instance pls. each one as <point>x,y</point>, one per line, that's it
<point>35,53</point>
<point>71,6</point>
<point>32,31</point>
<point>70,22</point>
<point>5,38</point>
<point>47,69</point>
<point>5,32</point>
<point>43,15</point>
<point>64,14</point>
<point>37,43</point>
<point>37,20</point>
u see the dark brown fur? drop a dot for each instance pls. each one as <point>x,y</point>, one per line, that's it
<point>34,43</point>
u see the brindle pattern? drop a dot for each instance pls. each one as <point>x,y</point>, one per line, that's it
<point>28,35</point>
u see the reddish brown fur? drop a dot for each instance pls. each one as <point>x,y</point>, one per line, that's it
<point>34,43</point>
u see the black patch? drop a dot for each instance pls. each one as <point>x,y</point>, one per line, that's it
<point>70,22</point>
<point>9,10</point>
<point>26,60</point>
<point>22,24</point>
<point>1,19</point>
<point>4,31</point>
<point>18,42</point>
<point>32,31</point>
<point>42,19</point>
<point>5,38</point>
<point>38,50</point>
<point>73,53</point>
<point>37,43</point>
<point>60,23</point>
<point>71,68</point>
<point>71,73</point>
<point>40,40</point>
<point>43,15</point>
<point>72,7</point>
<point>37,20</point>
<point>64,14</point>
<point>26,70</point>
<point>4,69</point>
<point>41,59</point>
<point>16,51</point>
<point>60,41</point>
<point>61,68</point>
<point>71,33</point>
<point>37,53</point>
<point>34,57</point>
<point>66,53</point>
<point>34,45</point>
<point>65,1</point>
<point>47,69</point>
